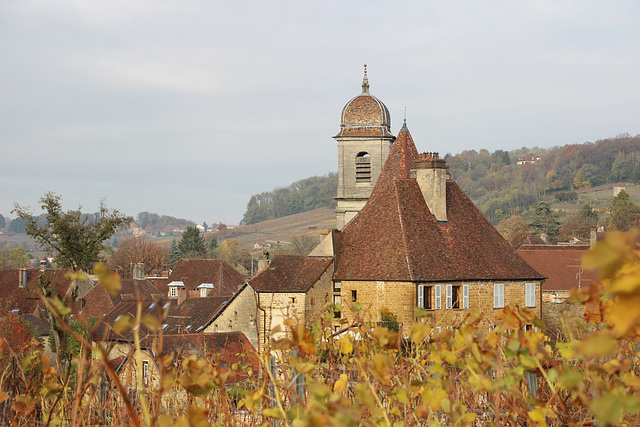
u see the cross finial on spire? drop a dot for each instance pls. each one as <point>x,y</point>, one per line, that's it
<point>365,81</point>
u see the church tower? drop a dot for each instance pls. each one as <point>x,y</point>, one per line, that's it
<point>364,142</point>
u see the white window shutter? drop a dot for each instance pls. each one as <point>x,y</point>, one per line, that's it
<point>438,297</point>
<point>465,296</point>
<point>449,296</point>
<point>498,295</point>
<point>421,296</point>
<point>530,294</point>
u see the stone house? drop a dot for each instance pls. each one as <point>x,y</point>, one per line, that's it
<point>291,286</point>
<point>417,240</point>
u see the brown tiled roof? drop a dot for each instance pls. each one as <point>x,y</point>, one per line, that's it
<point>40,326</point>
<point>97,302</point>
<point>395,236</point>
<point>26,299</point>
<point>192,316</point>
<point>561,265</point>
<point>290,273</point>
<point>530,241</point>
<point>193,272</point>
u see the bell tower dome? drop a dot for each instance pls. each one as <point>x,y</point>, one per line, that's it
<point>364,142</point>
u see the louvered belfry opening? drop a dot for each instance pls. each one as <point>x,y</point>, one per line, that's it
<point>363,167</point>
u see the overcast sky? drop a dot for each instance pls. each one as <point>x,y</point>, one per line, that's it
<point>187,108</point>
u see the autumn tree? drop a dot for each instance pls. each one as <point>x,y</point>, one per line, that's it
<point>623,213</point>
<point>192,244</point>
<point>133,250</point>
<point>302,244</point>
<point>230,251</point>
<point>514,229</point>
<point>581,223</point>
<point>76,239</point>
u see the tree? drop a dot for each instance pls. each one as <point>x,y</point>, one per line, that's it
<point>133,250</point>
<point>514,229</point>
<point>3,221</point>
<point>213,244</point>
<point>205,226</point>
<point>302,244</point>
<point>14,257</point>
<point>192,244</point>
<point>76,239</point>
<point>623,213</point>
<point>174,254</point>
<point>581,223</point>
<point>546,221</point>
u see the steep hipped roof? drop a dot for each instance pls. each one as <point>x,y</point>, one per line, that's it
<point>97,302</point>
<point>290,273</point>
<point>193,272</point>
<point>395,236</point>
<point>26,299</point>
<point>192,316</point>
<point>561,265</point>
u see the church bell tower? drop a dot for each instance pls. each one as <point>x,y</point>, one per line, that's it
<point>364,142</point>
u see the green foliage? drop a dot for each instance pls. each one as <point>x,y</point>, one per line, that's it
<point>14,257</point>
<point>301,196</point>
<point>564,196</point>
<point>623,213</point>
<point>546,221</point>
<point>174,254</point>
<point>75,238</point>
<point>144,219</point>
<point>192,244</point>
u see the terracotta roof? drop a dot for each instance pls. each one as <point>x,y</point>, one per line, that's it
<point>97,302</point>
<point>26,299</point>
<point>395,236</point>
<point>193,272</point>
<point>40,326</point>
<point>561,265</point>
<point>530,241</point>
<point>365,115</point>
<point>192,316</point>
<point>290,273</point>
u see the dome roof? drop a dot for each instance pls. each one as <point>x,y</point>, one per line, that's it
<point>365,115</point>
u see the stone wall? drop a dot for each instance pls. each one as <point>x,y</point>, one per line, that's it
<point>239,315</point>
<point>317,297</point>
<point>557,317</point>
<point>401,299</point>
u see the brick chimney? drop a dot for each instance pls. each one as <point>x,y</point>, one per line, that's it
<point>138,270</point>
<point>432,173</point>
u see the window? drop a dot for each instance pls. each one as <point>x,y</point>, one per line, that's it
<point>354,296</point>
<point>145,372</point>
<point>293,300</point>
<point>424,297</point>
<point>363,167</point>
<point>337,286</point>
<point>203,292</point>
<point>313,301</point>
<point>530,294</point>
<point>337,300</point>
<point>454,295</point>
<point>438,299</point>
<point>173,292</point>
<point>498,295</point>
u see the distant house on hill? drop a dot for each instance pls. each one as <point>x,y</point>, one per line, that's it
<point>528,158</point>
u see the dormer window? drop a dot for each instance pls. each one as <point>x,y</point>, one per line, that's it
<point>363,167</point>
<point>173,288</point>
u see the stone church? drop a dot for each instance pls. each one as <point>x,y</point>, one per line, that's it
<point>407,236</point>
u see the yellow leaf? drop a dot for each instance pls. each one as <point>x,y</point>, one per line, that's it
<point>109,280</point>
<point>123,325</point>
<point>598,345</point>
<point>341,384</point>
<point>625,313</point>
<point>150,321</point>
<point>346,346</point>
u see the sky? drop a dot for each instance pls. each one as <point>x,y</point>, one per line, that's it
<point>187,108</point>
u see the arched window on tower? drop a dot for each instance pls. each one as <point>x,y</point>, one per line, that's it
<point>363,167</point>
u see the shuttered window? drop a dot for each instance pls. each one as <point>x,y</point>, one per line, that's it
<point>465,296</point>
<point>438,290</point>
<point>530,294</point>
<point>449,302</point>
<point>498,295</point>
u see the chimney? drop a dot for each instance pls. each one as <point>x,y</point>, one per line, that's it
<point>22,278</point>
<point>593,237</point>
<point>43,264</point>
<point>138,271</point>
<point>432,173</point>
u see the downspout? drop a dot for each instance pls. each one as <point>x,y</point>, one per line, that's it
<point>264,323</point>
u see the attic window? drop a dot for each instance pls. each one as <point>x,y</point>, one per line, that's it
<point>363,167</point>
<point>152,305</point>
<point>164,325</point>
<point>166,305</point>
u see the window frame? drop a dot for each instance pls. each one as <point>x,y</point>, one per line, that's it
<point>530,295</point>
<point>438,297</point>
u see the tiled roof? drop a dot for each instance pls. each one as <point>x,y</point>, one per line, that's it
<point>97,302</point>
<point>26,299</point>
<point>528,241</point>
<point>561,265</point>
<point>395,236</point>
<point>192,316</point>
<point>40,326</point>
<point>290,273</point>
<point>193,272</point>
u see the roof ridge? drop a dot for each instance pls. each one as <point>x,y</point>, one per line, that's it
<point>403,232</point>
